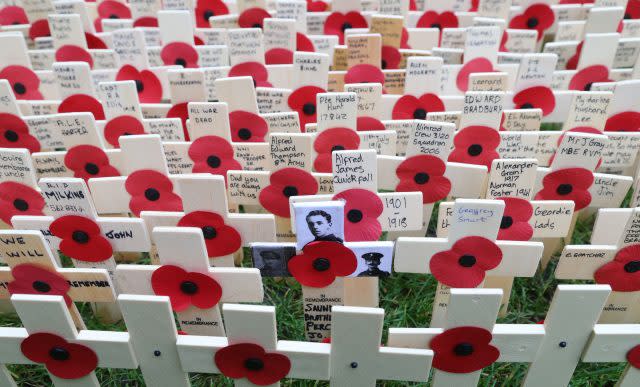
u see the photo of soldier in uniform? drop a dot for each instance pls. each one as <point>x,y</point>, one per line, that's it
<point>319,222</point>
<point>272,259</point>
<point>321,226</point>
<point>373,261</point>
<point>374,258</point>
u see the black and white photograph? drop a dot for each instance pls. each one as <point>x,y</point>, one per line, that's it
<point>375,259</point>
<point>319,221</point>
<point>272,258</point>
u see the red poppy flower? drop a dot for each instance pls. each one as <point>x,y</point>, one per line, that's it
<point>623,273</point>
<point>633,356</point>
<point>583,79</point>
<point>364,73</point>
<point>503,42</point>
<point>361,211</point>
<point>214,155</point>
<point>39,28</point>
<point>14,133</point>
<point>87,161</point>
<point>94,42</point>
<point>433,19</point>
<point>537,97</point>
<point>303,43</point>
<point>424,173</point>
<point>633,10</point>
<point>283,184</point>
<point>205,9</point>
<point>33,279</point>
<point>515,220</point>
<point>475,145</point>
<point>465,264</point>
<point>409,107</point>
<point>463,350</point>
<point>111,9</point>
<point>148,85</point>
<point>576,1</point>
<point>303,101</point>
<point>255,70</point>
<point>477,65</point>
<point>179,53</point>
<point>404,39</point>
<point>567,184</point>
<point>19,199</point>
<point>390,57</point>
<point>251,361</point>
<point>369,124</point>
<point>321,262</point>
<point>122,126</point>
<point>146,21</point>
<point>278,56</point>
<point>220,239</point>
<point>623,122</point>
<point>13,15</point>
<point>82,103</point>
<point>81,238</point>
<point>330,140</point>
<point>185,288</point>
<point>317,6</point>
<point>247,127</point>
<point>337,22</point>
<point>572,63</point>
<point>70,53</point>
<point>198,41</point>
<point>538,16</point>
<point>253,17</point>
<point>474,5</point>
<point>63,359</point>
<point>151,191</point>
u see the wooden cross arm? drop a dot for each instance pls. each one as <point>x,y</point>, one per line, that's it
<point>408,364</point>
<point>254,227</point>
<point>516,342</point>
<point>238,284</point>
<point>518,258</point>
<point>611,342</point>
<point>109,194</point>
<point>580,262</point>
<point>10,340</point>
<point>113,348</point>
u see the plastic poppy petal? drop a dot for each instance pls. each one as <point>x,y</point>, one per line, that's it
<point>82,361</point>
<point>94,42</point>
<point>179,53</point>
<point>70,53</point>
<point>23,81</point>
<point>444,345</point>
<point>623,122</point>
<point>302,96</point>
<point>277,366</point>
<point>122,126</point>
<point>583,79</point>
<point>303,43</point>
<point>138,181</point>
<point>343,260</point>
<point>628,254</point>
<point>518,231</point>
<point>613,274</point>
<point>256,70</point>
<point>633,357</point>
<point>487,253</point>
<point>337,138</point>
<point>405,108</point>
<point>14,196</point>
<point>278,56</point>
<point>369,124</point>
<point>364,73</point>
<point>36,346</point>
<point>165,281</point>
<point>540,97</point>
<point>477,65</point>
<point>301,268</point>
<point>390,57</point>
<point>98,250</point>
<point>247,127</point>
<point>39,28</point>
<point>13,15</point>
<point>146,21</point>
<point>82,103</point>
<point>230,359</point>
<point>253,17</point>
<point>209,290</point>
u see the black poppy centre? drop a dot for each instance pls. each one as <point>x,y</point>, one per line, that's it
<point>244,134</point>
<point>532,22</point>
<point>354,216</point>
<point>209,232</point>
<point>80,236</point>
<point>421,178</point>
<point>11,136</point>
<point>383,64</point>
<point>506,222</point>
<point>420,114</point>
<point>436,25</point>
<point>19,88</point>
<point>467,260</point>
<point>41,286</point>
<point>139,86</point>
<point>113,16</point>
<point>188,287</point>
<point>254,364</point>
<point>59,354</point>
<point>256,25</point>
<point>20,205</point>
<point>527,105</point>
<point>337,148</point>
<point>587,87</point>
<point>632,267</point>
<point>207,14</point>
<point>309,109</point>
<point>180,62</point>
<point>346,26</point>
<point>321,264</point>
<point>463,349</point>
<point>564,189</point>
<point>152,194</point>
<point>91,168</point>
<point>474,150</point>
<point>289,191</point>
<point>214,161</point>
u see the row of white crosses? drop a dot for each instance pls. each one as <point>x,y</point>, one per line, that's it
<point>251,354</point>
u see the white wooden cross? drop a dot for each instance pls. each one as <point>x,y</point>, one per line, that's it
<point>464,265</point>
<point>182,251</point>
<point>205,195</point>
<point>612,264</point>
<point>18,175</point>
<point>553,348</point>
<point>612,343</point>
<point>139,153</point>
<point>50,336</point>
<point>357,357</point>
<point>28,252</point>
<point>166,358</point>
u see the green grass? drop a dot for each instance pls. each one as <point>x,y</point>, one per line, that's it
<point>406,299</point>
